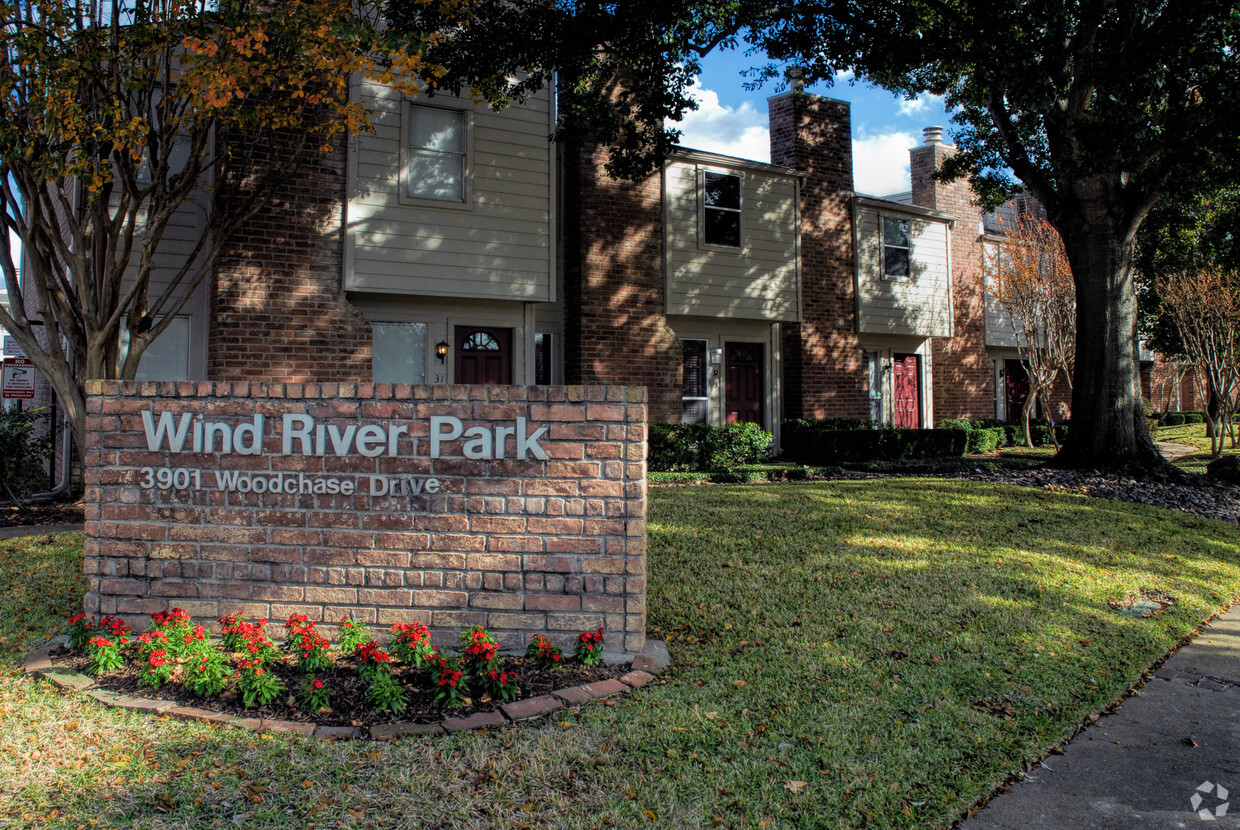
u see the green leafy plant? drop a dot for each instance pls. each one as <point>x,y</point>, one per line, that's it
<point>590,647</point>
<point>350,634</point>
<point>257,685</point>
<point>23,454</point>
<point>311,650</point>
<point>105,654</point>
<point>315,696</point>
<point>699,447</point>
<point>179,638</point>
<point>479,651</point>
<point>449,684</point>
<point>385,693</point>
<point>371,660</point>
<point>83,628</point>
<point>207,673</point>
<point>544,654</point>
<point>501,685</point>
<point>412,644</point>
<point>156,669</point>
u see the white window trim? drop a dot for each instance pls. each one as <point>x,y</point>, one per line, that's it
<point>882,247</point>
<point>740,209</point>
<point>406,113</point>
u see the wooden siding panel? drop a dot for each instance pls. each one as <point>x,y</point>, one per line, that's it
<point>756,282</point>
<point>920,305</point>
<point>498,247</point>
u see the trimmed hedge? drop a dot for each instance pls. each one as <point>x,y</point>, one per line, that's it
<point>700,447</point>
<point>808,443</point>
<point>986,434</point>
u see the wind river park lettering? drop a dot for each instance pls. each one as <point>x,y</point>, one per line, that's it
<point>300,434</point>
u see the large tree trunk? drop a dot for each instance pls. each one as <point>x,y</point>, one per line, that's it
<point>1108,430</point>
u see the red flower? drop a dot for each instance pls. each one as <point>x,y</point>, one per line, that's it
<point>318,684</point>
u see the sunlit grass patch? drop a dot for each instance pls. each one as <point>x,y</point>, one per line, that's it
<point>867,653</point>
<point>40,575</point>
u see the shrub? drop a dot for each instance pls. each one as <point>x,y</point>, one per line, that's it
<point>697,447</point>
<point>819,446</point>
<point>23,455</point>
<point>985,440</point>
<point>1194,417</point>
<point>1175,419</point>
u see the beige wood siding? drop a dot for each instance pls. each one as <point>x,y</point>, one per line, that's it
<point>1000,332</point>
<point>496,246</point>
<point>919,305</point>
<point>757,281</point>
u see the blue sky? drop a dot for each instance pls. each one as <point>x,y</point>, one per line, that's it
<point>733,121</point>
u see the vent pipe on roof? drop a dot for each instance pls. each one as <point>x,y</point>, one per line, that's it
<point>932,135</point>
<point>795,76</point>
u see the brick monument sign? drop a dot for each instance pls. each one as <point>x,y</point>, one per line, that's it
<point>518,508</point>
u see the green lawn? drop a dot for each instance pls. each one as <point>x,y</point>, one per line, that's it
<point>864,653</point>
<point>1193,435</point>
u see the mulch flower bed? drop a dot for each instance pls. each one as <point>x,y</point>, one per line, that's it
<point>350,704</point>
<point>353,682</point>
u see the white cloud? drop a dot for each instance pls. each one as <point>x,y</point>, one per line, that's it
<point>733,131</point>
<point>923,104</point>
<point>880,162</point>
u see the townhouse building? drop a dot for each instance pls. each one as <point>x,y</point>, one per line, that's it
<point>454,244</point>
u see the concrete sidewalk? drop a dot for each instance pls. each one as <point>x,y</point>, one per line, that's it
<point>1157,762</point>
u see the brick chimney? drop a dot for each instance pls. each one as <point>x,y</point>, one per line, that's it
<point>822,360</point>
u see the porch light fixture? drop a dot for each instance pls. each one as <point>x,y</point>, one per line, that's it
<point>441,350</point>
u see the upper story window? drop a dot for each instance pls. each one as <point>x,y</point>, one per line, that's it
<point>721,209</point>
<point>896,248</point>
<point>437,154</point>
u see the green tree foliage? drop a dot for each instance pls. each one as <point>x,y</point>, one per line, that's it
<point>1097,108</point>
<point>1185,232</point>
<point>24,452</point>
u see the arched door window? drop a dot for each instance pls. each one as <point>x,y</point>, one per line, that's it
<point>483,355</point>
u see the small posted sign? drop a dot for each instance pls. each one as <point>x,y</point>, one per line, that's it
<point>18,378</point>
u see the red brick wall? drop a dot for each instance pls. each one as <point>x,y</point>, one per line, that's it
<point>963,372</point>
<point>278,311</point>
<point>824,371</point>
<point>1158,385</point>
<point>555,546</point>
<point>615,304</point>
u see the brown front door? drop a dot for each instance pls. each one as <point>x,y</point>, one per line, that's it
<point>906,380</point>
<point>743,389</point>
<point>1016,386</point>
<point>483,355</point>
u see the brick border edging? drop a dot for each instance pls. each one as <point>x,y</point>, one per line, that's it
<point>39,664</point>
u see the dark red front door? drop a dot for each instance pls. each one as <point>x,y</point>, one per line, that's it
<point>483,355</point>
<point>906,380</point>
<point>1016,386</point>
<point>743,389</point>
